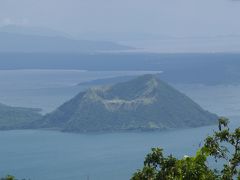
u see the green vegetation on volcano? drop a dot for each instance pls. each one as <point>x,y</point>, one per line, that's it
<point>145,103</point>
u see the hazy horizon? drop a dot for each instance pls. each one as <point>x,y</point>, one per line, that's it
<point>161,17</point>
<point>156,25</point>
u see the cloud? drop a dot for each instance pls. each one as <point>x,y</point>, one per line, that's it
<point>24,21</point>
<point>9,21</point>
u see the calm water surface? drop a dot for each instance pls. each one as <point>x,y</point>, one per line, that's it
<point>52,155</point>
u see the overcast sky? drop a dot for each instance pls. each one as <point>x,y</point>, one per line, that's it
<point>164,17</point>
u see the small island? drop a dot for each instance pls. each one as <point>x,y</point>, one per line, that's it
<point>145,103</point>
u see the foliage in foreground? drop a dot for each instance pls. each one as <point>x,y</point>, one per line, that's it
<point>223,146</point>
<point>9,177</point>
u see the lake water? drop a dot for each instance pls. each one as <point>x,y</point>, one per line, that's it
<point>52,155</point>
<point>47,89</point>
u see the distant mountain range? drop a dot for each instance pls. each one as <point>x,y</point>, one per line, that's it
<point>24,39</point>
<point>17,117</point>
<point>143,103</point>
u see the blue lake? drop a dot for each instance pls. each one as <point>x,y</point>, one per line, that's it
<point>52,155</point>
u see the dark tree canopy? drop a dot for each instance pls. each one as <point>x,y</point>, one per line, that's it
<point>10,177</point>
<point>223,145</point>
